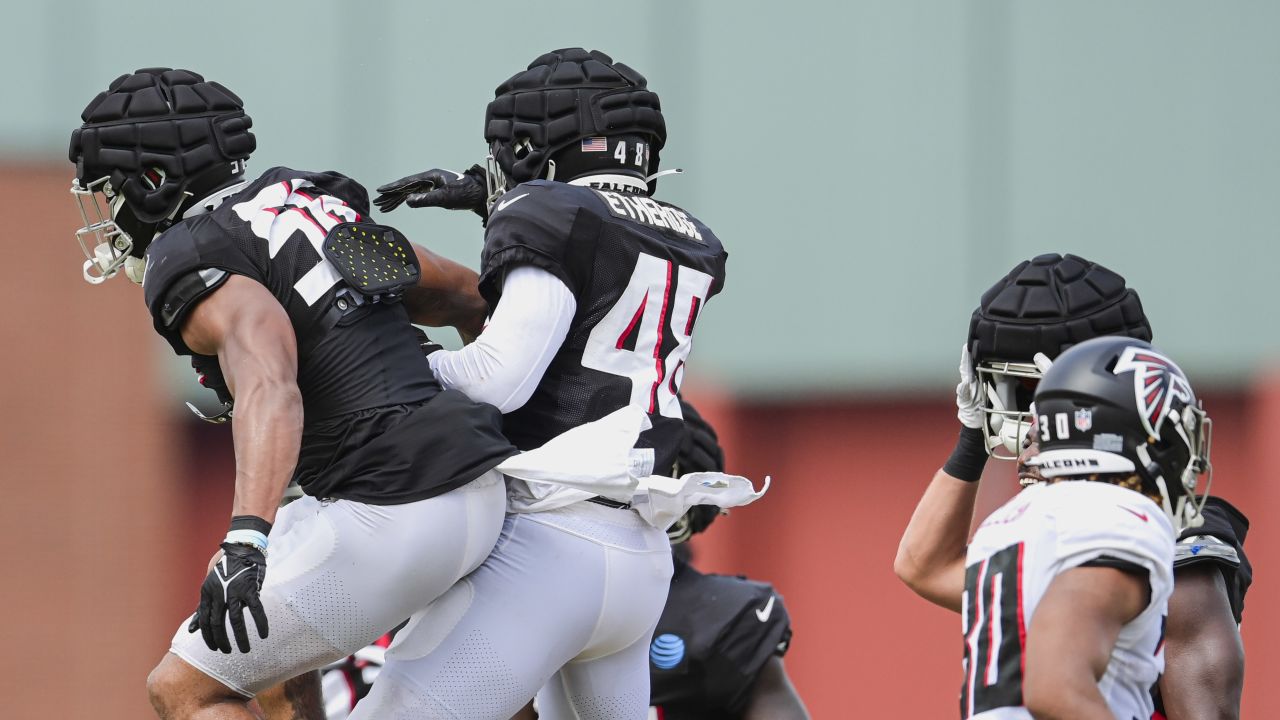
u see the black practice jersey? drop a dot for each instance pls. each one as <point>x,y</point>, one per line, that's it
<point>716,634</point>
<point>1219,542</point>
<point>378,428</point>
<point>641,272</point>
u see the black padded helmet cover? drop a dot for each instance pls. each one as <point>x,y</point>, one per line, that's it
<point>1049,303</point>
<point>166,119</point>
<point>564,96</point>
<point>1044,305</point>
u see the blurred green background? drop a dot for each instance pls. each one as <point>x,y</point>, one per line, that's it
<point>872,166</point>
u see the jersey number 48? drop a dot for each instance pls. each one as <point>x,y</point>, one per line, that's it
<point>660,297</point>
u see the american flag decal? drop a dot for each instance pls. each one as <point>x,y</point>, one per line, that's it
<point>595,144</point>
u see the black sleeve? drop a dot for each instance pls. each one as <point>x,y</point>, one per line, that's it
<point>543,226</point>
<point>1220,541</point>
<point>184,265</point>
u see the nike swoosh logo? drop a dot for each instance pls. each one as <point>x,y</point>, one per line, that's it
<point>763,613</point>
<point>1140,516</point>
<point>503,205</point>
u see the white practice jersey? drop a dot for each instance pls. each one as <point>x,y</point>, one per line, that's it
<point>1040,533</point>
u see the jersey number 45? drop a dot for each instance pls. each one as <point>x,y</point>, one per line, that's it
<point>660,297</point>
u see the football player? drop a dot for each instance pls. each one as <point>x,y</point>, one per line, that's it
<point>717,653</point>
<point>596,290</point>
<point>283,285</point>
<point>1066,585</point>
<point>1041,307</point>
<point>718,649</point>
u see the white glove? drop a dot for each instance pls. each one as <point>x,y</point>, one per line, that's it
<point>1043,363</point>
<point>968,393</point>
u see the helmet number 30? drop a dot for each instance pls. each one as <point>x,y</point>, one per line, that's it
<point>660,298</point>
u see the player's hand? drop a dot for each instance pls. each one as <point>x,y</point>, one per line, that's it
<point>968,393</point>
<point>700,449</point>
<point>209,374</point>
<point>1043,363</point>
<point>438,188</point>
<point>231,587</point>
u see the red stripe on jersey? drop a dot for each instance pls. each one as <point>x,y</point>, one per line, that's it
<point>303,212</point>
<point>693,315</point>
<point>1022,623</point>
<point>972,671</point>
<point>351,687</point>
<point>634,319</point>
<point>658,361</point>
<point>993,647</point>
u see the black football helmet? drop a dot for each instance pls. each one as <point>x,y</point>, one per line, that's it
<point>151,145</point>
<point>555,120</point>
<point>1044,305</point>
<point>1115,406</point>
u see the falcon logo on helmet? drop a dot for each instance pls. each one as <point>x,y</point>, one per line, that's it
<point>1157,383</point>
<point>1151,429</point>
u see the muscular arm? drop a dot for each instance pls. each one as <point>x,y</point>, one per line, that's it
<point>447,294</point>
<point>243,325</point>
<point>773,697</point>
<point>1072,634</point>
<point>1204,658</point>
<point>931,553</point>
<point>297,699</point>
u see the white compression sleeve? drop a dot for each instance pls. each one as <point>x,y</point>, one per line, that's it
<point>506,362</point>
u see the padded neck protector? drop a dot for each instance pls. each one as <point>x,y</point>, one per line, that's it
<point>1049,303</point>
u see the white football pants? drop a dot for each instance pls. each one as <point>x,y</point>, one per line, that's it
<point>342,573</point>
<point>564,608</point>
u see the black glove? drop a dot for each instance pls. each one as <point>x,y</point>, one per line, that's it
<point>231,587</point>
<point>209,373</point>
<point>700,449</point>
<point>438,188</point>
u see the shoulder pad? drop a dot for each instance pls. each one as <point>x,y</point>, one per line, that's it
<point>1092,520</point>
<point>1198,548</point>
<point>185,290</point>
<point>375,260</point>
<point>331,182</point>
<point>538,223</point>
